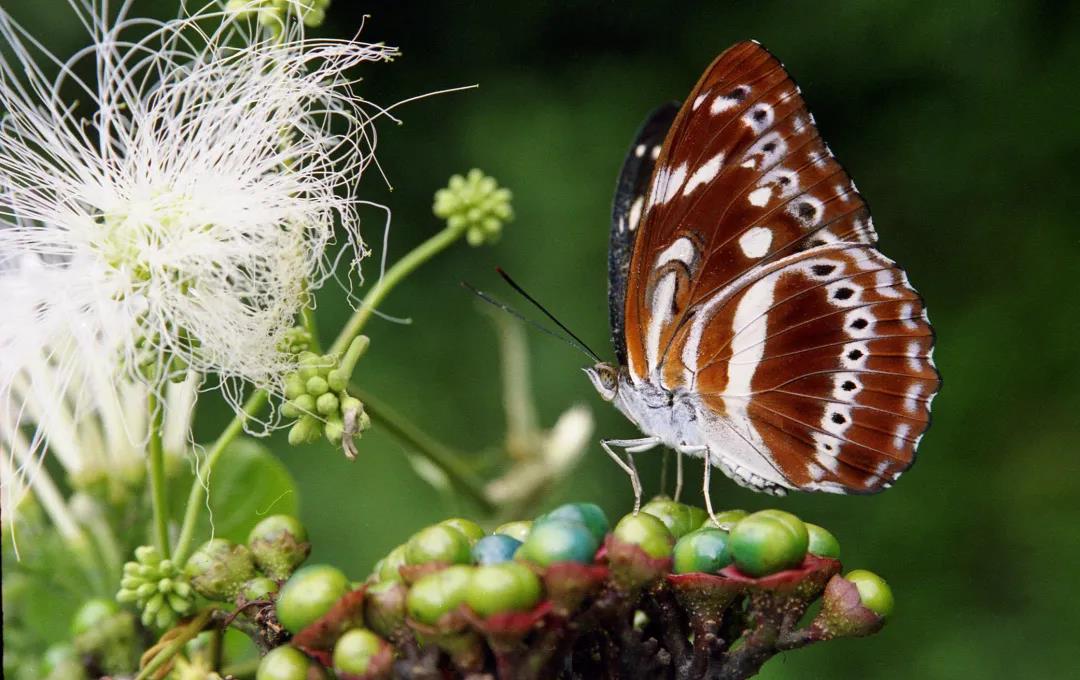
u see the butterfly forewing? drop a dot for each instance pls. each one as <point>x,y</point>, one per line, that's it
<point>743,178</point>
<point>754,288</point>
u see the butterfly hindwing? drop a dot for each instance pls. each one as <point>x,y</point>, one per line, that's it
<point>626,210</point>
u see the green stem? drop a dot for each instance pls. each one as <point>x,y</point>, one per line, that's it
<point>402,268</point>
<point>197,495</point>
<point>186,635</point>
<point>427,446</point>
<point>156,463</point>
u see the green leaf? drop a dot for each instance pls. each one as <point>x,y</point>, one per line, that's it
<point>248,484</point>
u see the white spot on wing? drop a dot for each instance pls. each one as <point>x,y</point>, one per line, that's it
<point>913,356</point>
<point>756,241</point>
<point>682,250</point>
<point>902,431</point>
<point>704,174</point>
<point>911,397</point>
<point>639,150</point>
<point>655,153</point>
<point>635,212</point>
<point>673,181</point>
<point>697,101</point>
<point>760,197</point>
<point>905,315</point>
<point>660,310</point>
<point>749,326</point>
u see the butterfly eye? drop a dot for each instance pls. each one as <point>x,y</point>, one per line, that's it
<point>605,379</point>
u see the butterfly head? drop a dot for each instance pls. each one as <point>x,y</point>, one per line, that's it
<point>605,378</point>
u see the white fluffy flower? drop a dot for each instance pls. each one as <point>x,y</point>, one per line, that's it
<point>171,214</point>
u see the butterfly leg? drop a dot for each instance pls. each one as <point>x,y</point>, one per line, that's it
<point>630,446</point>
<point>703,451</point>
<point>678,475</point>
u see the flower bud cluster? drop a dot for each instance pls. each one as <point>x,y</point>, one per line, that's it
<point>157,587</point>
<point>476,205</point>
<point>318,397</point>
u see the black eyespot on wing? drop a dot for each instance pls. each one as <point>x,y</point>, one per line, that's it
<point>848,386</point>
<point>855,354</point>
<point>823,269</point>
<point>860,323</point>
<point>843,293</point>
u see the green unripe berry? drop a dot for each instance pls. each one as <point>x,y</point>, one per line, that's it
<point>519,529</point>
<point>469,528</point>
<point>355,650</point>
<point>504,587</point>
<point>727,519</point>
<point>557,541</point>
<point>439,543</point>
<point>646,532</point>
<point>438,593</point>
<point>703,551</point>
<point>589,514</point>
<point>679,518</point>
<point>279,545</point>
<point>92,614</point>
<point>822,542</point>
<point>259,588</point>
<point>767,542</point>
<point>875,593</point>
<point>283,663</point>
<point>218,569</point>
<point>389,567</point>
<point>309,594</point>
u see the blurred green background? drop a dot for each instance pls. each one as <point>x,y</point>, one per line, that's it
<point>960,122</point>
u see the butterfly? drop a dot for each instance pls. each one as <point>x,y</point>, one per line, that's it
<point>755,324</point>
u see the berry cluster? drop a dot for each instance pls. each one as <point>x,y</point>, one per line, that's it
<point>665,593</point>
<point>475,204</point>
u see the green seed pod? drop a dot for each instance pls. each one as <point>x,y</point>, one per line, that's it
<point>703,551</point>
<point>438,593</point>
<point>822,542</point>
<point>218,569</point>
<point>279,545</point>
<point>767,542</point>
<point>875,593</point>
<point>646,532</point>
<point>469,528</point>
<point>439,543</point>
<point>309,594</point>
<point>503,587</point>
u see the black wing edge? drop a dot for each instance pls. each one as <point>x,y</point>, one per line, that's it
<point>633,183</point>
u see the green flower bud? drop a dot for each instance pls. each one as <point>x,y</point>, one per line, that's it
<point>218,568</point>
<point>327,404</point>
<point>476,205</point>
<point>316,386</point>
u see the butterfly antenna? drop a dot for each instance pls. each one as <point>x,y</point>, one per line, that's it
<point>573,341</point>
<point>542,308</point>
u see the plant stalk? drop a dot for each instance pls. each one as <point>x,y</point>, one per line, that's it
<point>156,464</point>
